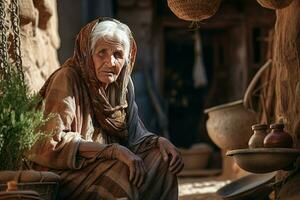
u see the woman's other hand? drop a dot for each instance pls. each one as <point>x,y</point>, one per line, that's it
<point>168,150</point>
<point>135,164</point>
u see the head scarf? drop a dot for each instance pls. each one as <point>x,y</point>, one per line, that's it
<point>110,116</point>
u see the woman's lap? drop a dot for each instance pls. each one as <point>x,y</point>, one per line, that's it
<point>110,180</point>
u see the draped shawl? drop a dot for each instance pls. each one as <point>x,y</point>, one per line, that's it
<point>108,106</point>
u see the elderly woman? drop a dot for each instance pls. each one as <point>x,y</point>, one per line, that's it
<point>100,147</point>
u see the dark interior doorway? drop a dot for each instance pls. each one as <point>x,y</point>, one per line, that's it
<point>185,102</point>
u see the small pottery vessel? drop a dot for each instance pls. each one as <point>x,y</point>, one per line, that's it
<point>278,138</point>
<point>257,139</point>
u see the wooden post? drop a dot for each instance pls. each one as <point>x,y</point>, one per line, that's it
<point>286,60</point>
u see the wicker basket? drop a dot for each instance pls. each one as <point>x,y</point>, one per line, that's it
<point>274,4</point>
<point>20,195</point>
<point>196,157</point>
<point>194,10</point>
<point>46,190</point>
<point>46,184</point>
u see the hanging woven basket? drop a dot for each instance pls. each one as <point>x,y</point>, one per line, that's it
<point>194,10</point>
<point>274,4</point>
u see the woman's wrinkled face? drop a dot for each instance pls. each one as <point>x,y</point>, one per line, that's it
<point>109,59</point>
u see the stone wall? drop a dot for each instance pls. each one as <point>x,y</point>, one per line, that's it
<point>39,40</point>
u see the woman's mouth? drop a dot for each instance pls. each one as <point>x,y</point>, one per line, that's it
<point>106,72</point>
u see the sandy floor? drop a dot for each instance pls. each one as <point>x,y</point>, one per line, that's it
<point>200,188</point>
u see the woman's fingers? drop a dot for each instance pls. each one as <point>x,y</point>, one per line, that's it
<point>178,169</point>
<point>175,164</point>
<point>175,157</point>
<point>137,172</point>
<point>164,153</point>
<point>166,148</point>
<point>135,165</point>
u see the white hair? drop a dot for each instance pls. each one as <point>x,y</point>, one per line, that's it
<point>111,30</point>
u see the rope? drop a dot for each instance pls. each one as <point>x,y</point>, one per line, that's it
<point>4,67</point>
<point>15,25</point>
<point>13,10</point>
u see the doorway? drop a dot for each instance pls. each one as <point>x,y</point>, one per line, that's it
<point>185,101</point>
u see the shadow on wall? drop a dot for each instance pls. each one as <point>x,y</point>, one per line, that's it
<point>73,15</point>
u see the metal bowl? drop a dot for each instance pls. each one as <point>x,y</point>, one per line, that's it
<point>264,160</point>
<point>253,186</point>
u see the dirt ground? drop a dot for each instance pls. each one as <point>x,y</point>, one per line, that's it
<point>201,188</point>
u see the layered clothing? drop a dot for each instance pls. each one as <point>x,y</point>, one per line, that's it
<point>85,111</point>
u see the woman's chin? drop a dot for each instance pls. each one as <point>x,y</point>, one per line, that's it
<point>108,79</point>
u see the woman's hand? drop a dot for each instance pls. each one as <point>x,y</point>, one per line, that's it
<point>168,149</point>
<point>135,164</point>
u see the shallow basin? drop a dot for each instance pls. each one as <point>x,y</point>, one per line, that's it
<point>253,186</point>
<point>264,160</point>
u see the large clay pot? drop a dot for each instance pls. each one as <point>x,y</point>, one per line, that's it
<point>229,125</point>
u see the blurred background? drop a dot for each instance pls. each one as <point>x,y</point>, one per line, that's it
<point>182,68</point>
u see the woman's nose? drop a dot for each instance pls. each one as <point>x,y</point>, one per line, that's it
<point>112,60</point>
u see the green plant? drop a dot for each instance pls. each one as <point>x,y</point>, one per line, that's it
<point>19,120</point>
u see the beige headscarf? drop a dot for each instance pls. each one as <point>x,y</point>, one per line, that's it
<point>110,117</point>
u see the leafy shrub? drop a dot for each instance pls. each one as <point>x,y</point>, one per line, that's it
<point>19,120</point>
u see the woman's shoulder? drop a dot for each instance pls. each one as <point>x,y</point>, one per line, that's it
<point>65,80</point>
<point>67,74</point>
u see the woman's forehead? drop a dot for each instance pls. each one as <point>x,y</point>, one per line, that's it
<point>109,43</point>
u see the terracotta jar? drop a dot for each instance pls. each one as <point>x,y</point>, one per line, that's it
<point>278,138</point>
<point>257,139</point>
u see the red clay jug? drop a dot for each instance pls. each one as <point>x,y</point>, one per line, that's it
<point>278,138</point>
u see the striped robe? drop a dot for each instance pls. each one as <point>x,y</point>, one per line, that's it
<point>96,177</point>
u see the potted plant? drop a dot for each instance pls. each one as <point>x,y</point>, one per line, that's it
<point>19,122</point>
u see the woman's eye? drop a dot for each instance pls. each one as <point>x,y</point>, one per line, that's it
<point>118,55</point>
<point>101,53</point>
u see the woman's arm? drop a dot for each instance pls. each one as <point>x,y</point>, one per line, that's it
<point>60,151</point>
<point>141,139</point>
<point>136,129</point>
<point>89,149</point>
